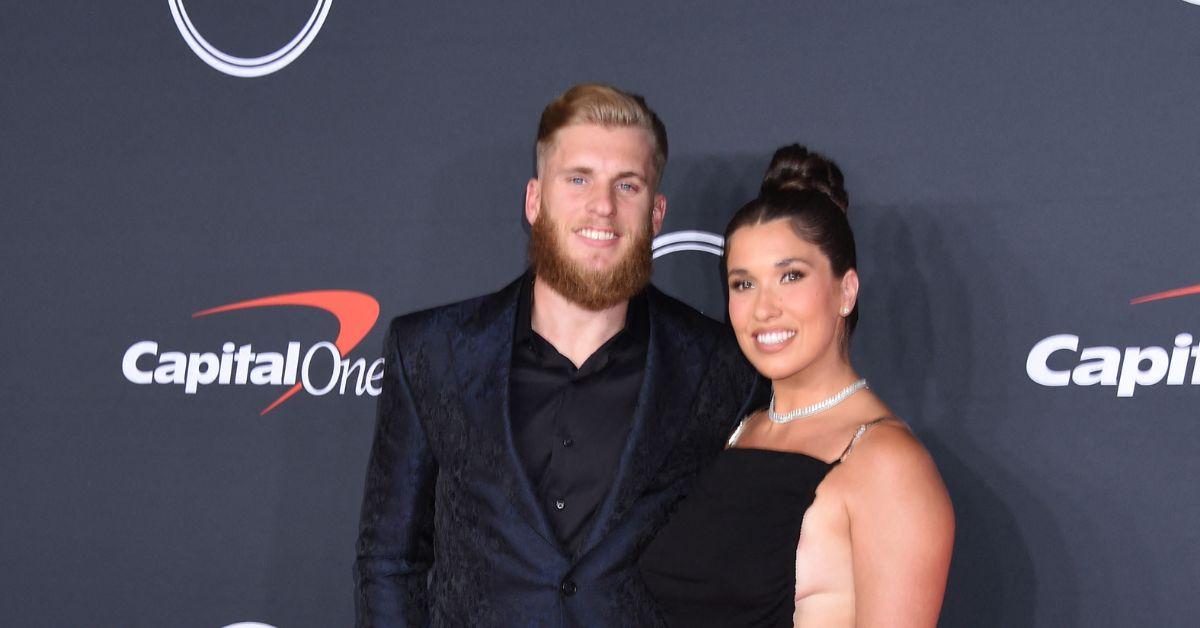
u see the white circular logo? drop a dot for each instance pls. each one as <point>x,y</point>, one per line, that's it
<point>249,624</point>
<point>702,241</point>
<point>243,66</point>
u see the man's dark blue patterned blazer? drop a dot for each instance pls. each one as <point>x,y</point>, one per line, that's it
<point>451,532</point>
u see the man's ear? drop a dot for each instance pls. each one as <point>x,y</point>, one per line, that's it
<point>658,212</point>
<point>533,200</point>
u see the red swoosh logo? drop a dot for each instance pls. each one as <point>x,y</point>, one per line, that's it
<point>355,312</point>
<point>1169,294</point>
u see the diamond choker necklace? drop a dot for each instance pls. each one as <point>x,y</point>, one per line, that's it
<point>820,406</point>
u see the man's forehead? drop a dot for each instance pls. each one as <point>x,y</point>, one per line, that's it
<point>586,138</point>
<point>585,126</point>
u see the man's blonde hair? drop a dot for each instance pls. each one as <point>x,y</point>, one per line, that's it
<point>593,103</point>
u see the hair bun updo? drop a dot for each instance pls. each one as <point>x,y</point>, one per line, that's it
<point>794,169</point>
<point>804,189</point>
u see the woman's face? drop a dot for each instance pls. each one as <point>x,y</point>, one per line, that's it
<point>785,304</point>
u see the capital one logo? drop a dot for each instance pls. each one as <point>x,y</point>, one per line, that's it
<point>241,365</point>
<point>1125,368</point>
<point>249,67</point>
<point>147,362</point>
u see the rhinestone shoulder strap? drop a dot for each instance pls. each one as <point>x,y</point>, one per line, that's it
<point>736,433</point>
<point>862,429</point>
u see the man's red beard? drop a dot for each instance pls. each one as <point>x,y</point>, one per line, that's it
<point>592,289</point>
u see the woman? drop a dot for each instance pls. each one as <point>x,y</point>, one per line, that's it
<point>824,510</point>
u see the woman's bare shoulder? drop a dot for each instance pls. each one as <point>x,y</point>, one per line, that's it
<point>888,457</point>
<point>901,526</point>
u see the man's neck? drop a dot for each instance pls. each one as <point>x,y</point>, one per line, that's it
<point>574,331</point>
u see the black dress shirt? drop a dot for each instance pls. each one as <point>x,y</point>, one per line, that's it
<point>570,424</point>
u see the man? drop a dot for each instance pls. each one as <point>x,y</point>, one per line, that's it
<point>530,442</point>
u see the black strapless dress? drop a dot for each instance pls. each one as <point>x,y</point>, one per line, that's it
<point>727,556</point>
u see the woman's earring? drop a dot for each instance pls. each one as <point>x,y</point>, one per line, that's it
<point>845,311</point>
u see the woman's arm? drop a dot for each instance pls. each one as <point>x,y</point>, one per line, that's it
<point>901,530</point>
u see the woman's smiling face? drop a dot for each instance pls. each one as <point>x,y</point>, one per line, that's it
<point>785,304</point>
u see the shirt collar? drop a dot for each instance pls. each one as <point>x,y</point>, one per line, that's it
<point>637,319</point>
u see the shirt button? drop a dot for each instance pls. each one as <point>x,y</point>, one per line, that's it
<point>560,504</point>
<point>568,442</point>
<point>568,588</point>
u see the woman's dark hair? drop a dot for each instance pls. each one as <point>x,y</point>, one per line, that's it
<point>806,189</point>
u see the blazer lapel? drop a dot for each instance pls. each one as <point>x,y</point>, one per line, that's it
<point>482,355</point>
<point>673,355</point>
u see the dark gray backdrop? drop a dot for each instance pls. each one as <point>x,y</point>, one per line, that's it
<point>1016,170</point>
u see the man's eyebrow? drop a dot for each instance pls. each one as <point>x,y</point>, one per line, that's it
<point>737,271</point>
<point>631,173</point>
<point>580,170</point>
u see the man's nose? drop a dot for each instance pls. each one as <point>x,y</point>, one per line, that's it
<point>602,202</point>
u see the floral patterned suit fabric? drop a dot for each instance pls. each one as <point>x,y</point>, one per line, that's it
<point>451,532</point>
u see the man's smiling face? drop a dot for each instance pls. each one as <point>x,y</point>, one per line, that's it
<point>595,202</point>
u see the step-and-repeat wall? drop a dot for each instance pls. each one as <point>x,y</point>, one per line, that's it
<point>211,209</point>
